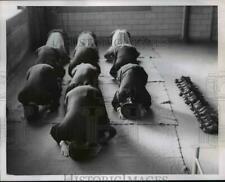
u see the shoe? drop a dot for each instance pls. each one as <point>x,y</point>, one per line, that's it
<point>205,116</point>
<point>186,91</point>
<point>201,111</point>
<point>176,80</point>
<point>198,104</point>
<point>188,95</point>
<point>182,84</point>
<point>209,126</point>
<point>186,78</point>
<point>185,86</point>
<point>193,98</point>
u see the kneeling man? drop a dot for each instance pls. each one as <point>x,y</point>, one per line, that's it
<point>132,100</point>
<point>85,127</point>
<point>41,88</point>
<point>120,37</point>
<point>85,51</point>
<point>84,74</point>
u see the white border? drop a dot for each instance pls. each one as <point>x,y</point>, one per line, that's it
<point>221,68</point>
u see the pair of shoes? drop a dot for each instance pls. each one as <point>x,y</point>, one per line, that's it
<point>208,125</point>
<point>191,101</point>
<point>182,80</point>
<point>201,112</point>
<point>197,105</point>
<point>188,88</point>
<point>206,116</point>
<point>183,84</point>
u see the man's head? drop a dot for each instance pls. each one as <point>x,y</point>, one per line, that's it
<point>129,109</point>
<point>120,30</point>
<point>86,39</point>
<point>83,151</point>
<point>129,106</point>
<point>120,37</point>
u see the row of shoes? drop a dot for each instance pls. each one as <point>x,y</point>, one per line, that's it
<point>206,115</point>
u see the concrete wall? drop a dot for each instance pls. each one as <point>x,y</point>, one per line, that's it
<point>18,41</point>
<point>26,31</point>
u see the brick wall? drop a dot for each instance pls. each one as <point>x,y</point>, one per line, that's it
<point>140,21</point>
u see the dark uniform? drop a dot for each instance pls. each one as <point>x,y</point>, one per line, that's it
<point>123,56</point>
<point>86,118</point>
<point>52,57</point>
<point>41,87</point>
<point>84,74</point>
<point>58,39</point>
<point>132,79</point>
<point>84,55</point>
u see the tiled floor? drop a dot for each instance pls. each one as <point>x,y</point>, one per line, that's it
<point>161,143</point>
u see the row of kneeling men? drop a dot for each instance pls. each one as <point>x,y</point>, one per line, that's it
<point>86,126</point>
<point>132,99</point>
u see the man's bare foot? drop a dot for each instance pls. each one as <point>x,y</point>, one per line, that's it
<point>120,113</point>
<point>64,148</point>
